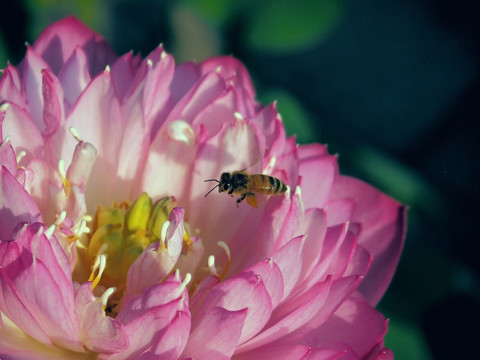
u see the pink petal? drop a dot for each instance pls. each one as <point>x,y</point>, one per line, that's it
<point>45,295</point>
<point>52,94</point>
<point>98,332</point>
<point>58,41</point>
<point>215,334</point>
<point>236,75</point>
<point>355,323</point>
<point>74,76</point>
<point>289,260</point>
<point>277,351</point>
<point>24,134</point>
<point>383,232</point>
<point>158,321</point>
<point>16,205</point>
<point>8,158</point>
<point>243,291</point>
<point>10,87</point>
<point>123,72</point>
<point>156,99</point>
<point>269,121</point>
<point>318,172</point>
<point>314,225</point>
<point>272,278</point>
<point>290,316</point>
<point>32,85</point>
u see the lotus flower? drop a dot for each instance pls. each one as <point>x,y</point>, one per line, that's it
<point>110,250</point>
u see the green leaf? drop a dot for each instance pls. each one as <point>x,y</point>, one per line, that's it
<point>291,25</point>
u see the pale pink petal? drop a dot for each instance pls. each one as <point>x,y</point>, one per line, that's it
<point>16,205</point>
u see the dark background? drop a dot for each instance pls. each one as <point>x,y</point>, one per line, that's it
<point>393,88</point>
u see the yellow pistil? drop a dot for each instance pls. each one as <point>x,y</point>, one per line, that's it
<point>119,235</point>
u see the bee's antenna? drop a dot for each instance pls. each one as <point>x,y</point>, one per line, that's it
<point>213,187</point>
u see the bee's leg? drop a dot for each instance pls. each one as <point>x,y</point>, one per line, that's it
<point>230,192</point>
<point>240,199</point>
<point>252,200</point>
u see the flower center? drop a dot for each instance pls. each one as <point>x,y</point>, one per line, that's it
<point>119,235</point>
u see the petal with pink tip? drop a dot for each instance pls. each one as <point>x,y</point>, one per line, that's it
<point>383,232</point>
<point>59,40</point>
<point>16,205</point>
<point>215,334</point>
<point>98,332</point>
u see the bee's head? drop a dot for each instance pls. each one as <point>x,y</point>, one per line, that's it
<point>225,182</point>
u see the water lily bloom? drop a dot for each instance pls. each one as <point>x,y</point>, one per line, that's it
<point>110,250</point>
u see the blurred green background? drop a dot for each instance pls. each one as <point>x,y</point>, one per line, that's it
<point>392,86</point>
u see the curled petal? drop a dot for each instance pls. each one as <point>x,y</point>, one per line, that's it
<point>98,332</point>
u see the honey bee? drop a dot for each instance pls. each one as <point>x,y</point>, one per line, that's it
<point>246,185</point>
